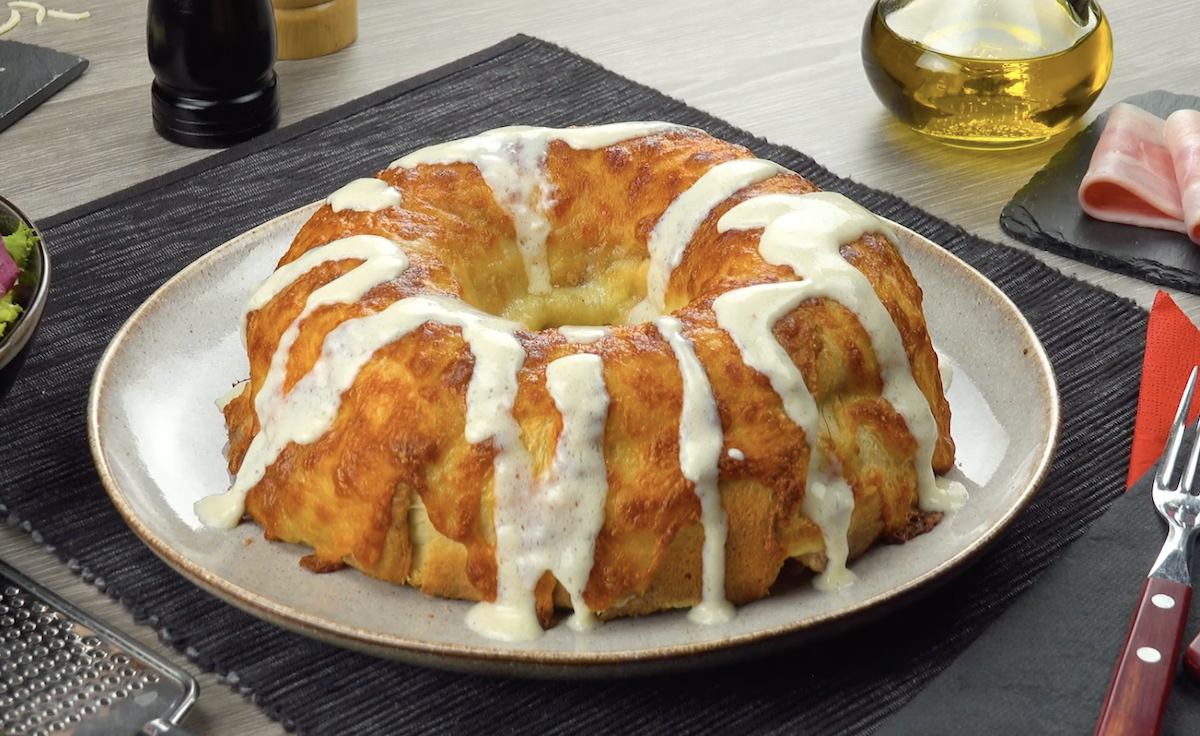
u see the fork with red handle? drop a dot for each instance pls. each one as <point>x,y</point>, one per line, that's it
<point>1141,684</point>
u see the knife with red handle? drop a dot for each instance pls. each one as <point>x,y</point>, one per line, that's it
<point>1141,684</point>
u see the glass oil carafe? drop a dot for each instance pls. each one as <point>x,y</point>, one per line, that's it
<point>987,73</point>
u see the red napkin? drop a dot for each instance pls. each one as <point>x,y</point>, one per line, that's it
<point>1172,349</point>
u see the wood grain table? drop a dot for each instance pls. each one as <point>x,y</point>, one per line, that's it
<point>787,71</point>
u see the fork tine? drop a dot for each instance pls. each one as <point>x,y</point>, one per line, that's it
<point>1190,474</point>
<point>1175,438</point>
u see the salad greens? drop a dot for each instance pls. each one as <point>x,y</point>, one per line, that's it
<point>13,260</point>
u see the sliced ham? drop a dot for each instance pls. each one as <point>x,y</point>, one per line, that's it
<point>1145,171</point>
<point>1131,179</point>
<point>1182,132</point>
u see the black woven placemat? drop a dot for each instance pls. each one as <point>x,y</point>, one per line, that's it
<point>112,254</point>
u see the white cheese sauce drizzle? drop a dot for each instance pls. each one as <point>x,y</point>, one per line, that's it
<point>305,413</point>
<point>749,316</point>
<point>945,370</point>
<point>700,443</point>
<point>550,523</point>
<point>583,335</point>
<point>235,391</point>
<point>678,224</point>
<point>578,484</point>
<point>513,163</point>
<point>805,233</point>
<point>365,195</point>
<point>363,247</point>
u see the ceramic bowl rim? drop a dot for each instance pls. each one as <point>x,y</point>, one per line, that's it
<point>22,330</point>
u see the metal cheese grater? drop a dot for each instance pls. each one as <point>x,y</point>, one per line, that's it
<point>62,671</point>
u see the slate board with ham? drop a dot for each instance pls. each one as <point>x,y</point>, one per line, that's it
<point>1046,212</point>
<point>1140,168</point>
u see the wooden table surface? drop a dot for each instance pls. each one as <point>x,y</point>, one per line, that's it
<point>788,71</point>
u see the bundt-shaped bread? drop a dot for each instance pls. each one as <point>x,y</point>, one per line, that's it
<point>616,369</point>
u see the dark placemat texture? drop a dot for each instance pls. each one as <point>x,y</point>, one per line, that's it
<point>1058,644</point>
<point>31,75</point>
<point>112,254</point>
<point>1045,213</point>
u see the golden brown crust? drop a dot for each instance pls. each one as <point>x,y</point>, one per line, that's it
<point>396,491</point>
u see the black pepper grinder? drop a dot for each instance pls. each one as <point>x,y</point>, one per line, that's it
<point>214,77</point>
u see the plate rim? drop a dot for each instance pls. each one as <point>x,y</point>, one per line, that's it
<point>551,663</point>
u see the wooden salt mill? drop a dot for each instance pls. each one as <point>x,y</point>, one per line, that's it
<point>308,28</point>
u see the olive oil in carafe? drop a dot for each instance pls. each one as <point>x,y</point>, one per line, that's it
<point>988,73</point>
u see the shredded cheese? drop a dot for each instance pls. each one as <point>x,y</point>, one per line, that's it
<point>64,15</point>
<point>14,17</point>
<point>28,5</point>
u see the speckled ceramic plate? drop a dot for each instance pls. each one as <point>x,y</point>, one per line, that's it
<point>157,438</point>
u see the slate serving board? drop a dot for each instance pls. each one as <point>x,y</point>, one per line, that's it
<point>1045,213</point>
<point>32,74</point>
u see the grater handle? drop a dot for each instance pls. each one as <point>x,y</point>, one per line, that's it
<point>163,727</point>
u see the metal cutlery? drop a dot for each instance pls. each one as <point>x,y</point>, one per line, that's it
<point>1141,683</point>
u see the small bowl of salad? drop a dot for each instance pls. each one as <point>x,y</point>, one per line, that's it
<point>24,287</point>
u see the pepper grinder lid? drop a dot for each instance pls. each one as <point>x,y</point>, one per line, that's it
<point>214,77</point>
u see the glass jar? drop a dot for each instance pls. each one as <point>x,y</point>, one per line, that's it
<point>987,73</point>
